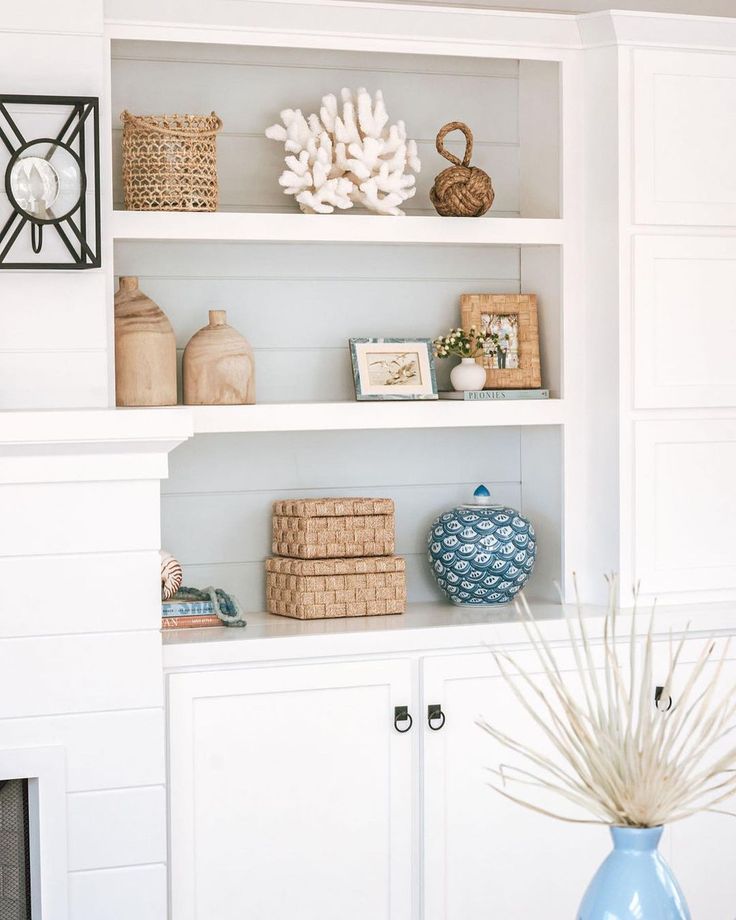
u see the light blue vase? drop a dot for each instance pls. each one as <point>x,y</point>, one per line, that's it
<point>634,882</point>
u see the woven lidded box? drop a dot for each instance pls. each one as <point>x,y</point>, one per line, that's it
<point>333,528</point>
<point>314,589</point>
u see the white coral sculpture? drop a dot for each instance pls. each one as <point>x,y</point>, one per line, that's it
<point>338,159</point>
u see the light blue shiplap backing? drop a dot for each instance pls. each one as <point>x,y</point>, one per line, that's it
<point>216,506</point>
<point>298,304</point>
<point>248,87</point>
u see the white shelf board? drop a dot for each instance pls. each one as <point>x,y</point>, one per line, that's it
<point>427,626</point>
<point>344,416</point>
<point>337,228</point>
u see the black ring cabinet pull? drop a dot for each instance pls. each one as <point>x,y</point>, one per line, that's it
<point>434,712</point>
<point>658,691</point>
<point>401,714</point>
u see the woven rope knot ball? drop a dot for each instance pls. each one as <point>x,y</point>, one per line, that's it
<point>461,190</point>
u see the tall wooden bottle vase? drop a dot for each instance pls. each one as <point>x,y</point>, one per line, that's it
<point>218,368</point>
<point>145,350</point>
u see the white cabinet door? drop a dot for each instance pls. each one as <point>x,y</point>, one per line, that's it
<point>685,503</point>
<point>684,321</point>
<point>685,138</point>
<point>291,793</point>
<point>486,858</point>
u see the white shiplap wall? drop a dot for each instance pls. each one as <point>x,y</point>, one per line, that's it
<point>80,667</point>
<point>248,87</point>
<point>54,328</point>
<point>80,650</point>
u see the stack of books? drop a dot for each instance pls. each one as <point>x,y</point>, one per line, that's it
<point>178,614</point>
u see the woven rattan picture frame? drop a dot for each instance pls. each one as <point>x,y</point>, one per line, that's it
<point>514,363</point>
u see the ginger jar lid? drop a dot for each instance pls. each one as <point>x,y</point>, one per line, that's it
<point>481,499</point>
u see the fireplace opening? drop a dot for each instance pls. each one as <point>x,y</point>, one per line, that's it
<point>15,863</point>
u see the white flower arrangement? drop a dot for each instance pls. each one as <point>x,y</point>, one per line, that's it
<point>623,759</point>
<point>347,156</point>
<point>464,344</point>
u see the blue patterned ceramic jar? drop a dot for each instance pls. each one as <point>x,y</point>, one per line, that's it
<point>482,554</point>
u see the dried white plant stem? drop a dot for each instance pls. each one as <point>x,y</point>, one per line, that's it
<point>618,756</point>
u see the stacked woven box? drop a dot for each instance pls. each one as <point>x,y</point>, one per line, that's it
<point>333,557</point>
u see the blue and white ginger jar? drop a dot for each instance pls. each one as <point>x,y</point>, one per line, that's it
<point>482,554</point>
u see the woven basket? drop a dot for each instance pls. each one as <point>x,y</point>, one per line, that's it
<point>321,588</point>
<point>333,528</point>
<point>170,162</point>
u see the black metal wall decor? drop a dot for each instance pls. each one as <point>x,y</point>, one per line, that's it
<point>47,179</point>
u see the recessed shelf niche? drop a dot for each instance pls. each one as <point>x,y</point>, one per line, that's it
<point>298,304</point>
<point>216,503</point>
<point>511,106</point>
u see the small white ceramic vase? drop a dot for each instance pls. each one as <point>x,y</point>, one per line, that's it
<point>468,375</point>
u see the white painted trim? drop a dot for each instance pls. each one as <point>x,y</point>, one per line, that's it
<point>350,26</point>
<point>45,768</point>
<point>435,29</point>
<point>656,30</point>
<point>74,426</point>
<point>88,445</point>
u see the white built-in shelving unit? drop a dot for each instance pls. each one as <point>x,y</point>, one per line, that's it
<point>299,286</point>
<point>610,139</point>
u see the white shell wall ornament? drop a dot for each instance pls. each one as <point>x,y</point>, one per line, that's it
<point>347,155</point>
<point>171,576</point>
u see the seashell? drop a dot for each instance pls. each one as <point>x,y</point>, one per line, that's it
<point>171,576</point>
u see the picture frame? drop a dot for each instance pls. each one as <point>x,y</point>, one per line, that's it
<point>515,362</point>
<point>393,369</point>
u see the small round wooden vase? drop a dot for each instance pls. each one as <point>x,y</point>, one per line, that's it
<point>461,190</point>
<point>218,368</point>
<point>145,350</point>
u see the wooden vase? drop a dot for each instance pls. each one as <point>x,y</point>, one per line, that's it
<point>218,368</point>
<point>145,350</point>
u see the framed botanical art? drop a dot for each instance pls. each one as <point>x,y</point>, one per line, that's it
<point>511,354</point>
<point>393,369</point>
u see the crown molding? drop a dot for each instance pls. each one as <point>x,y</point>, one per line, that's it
<point>657,30</point>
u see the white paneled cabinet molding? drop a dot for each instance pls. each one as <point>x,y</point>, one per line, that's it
<point>260,772</point>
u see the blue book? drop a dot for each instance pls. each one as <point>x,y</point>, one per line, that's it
<point>174,608</point>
